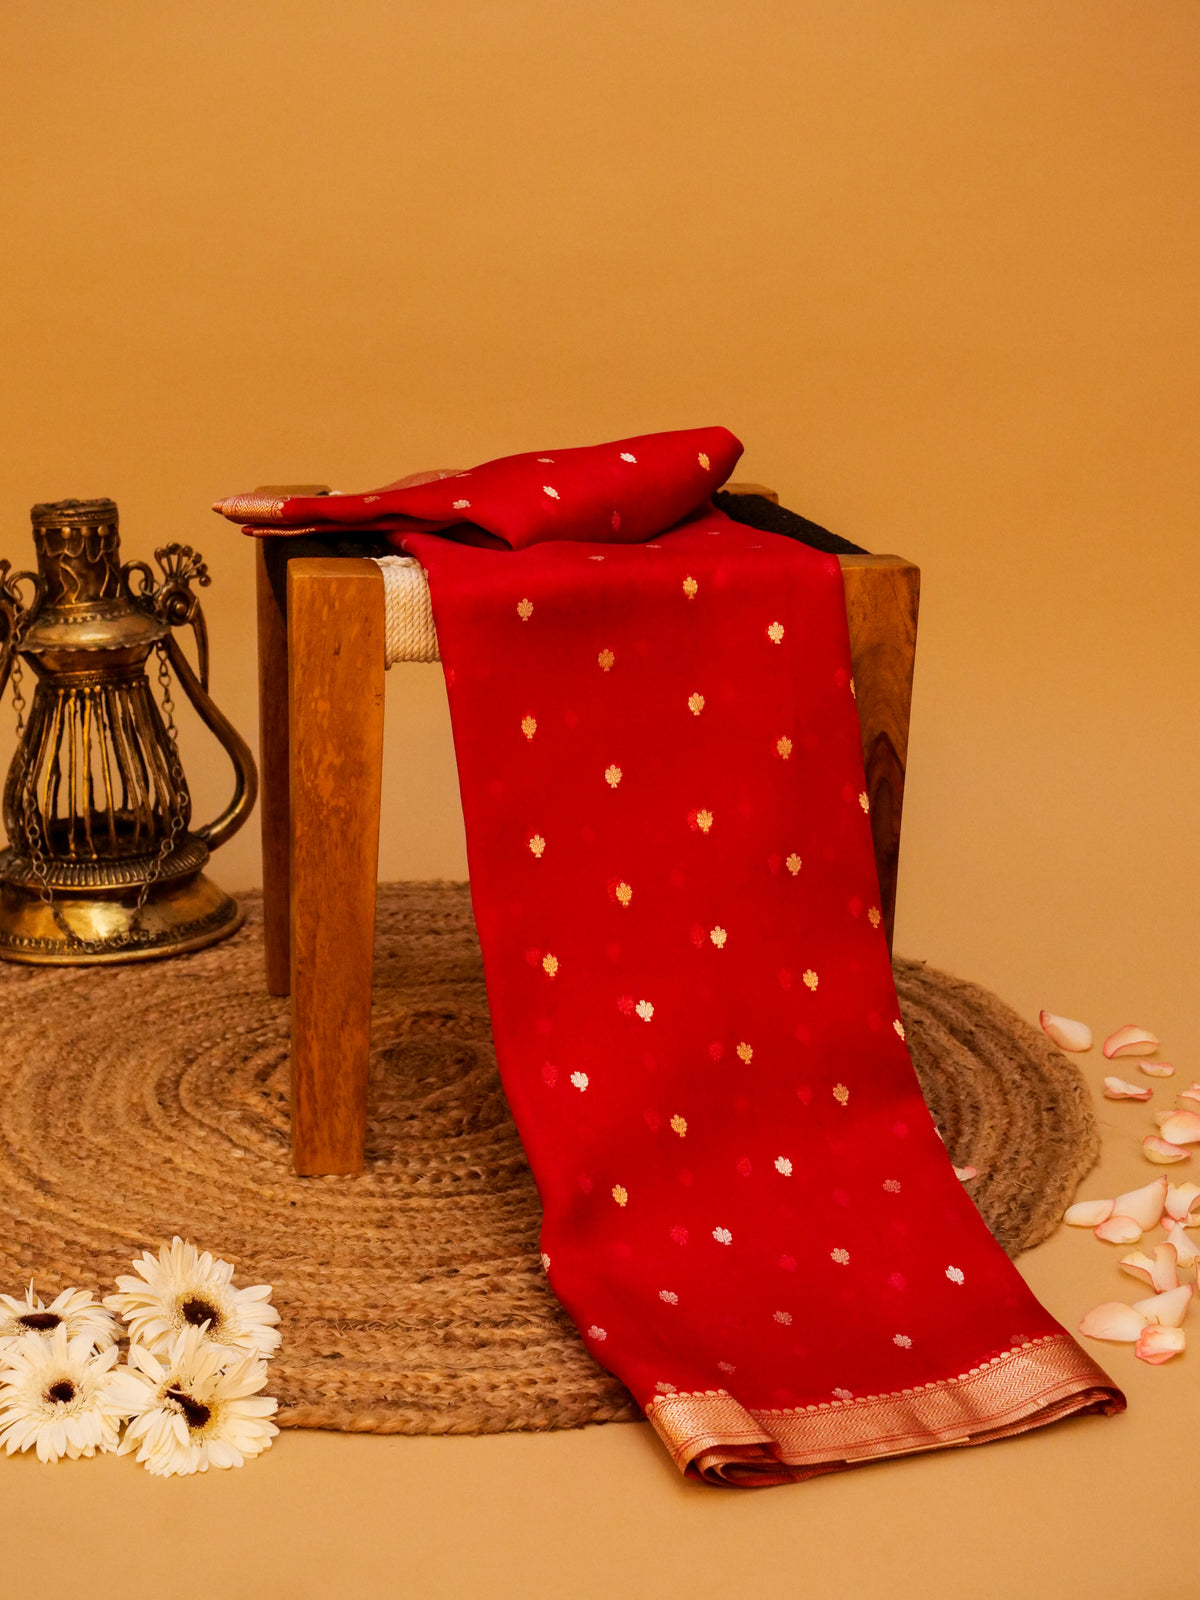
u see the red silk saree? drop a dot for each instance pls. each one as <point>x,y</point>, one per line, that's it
<point>747,1209</point>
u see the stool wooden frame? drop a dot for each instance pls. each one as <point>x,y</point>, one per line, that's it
<point>321,678</point>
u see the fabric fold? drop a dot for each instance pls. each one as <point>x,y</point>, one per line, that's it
<point>617,493</point>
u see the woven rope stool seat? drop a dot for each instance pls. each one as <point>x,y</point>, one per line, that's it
<point>150,1100</point>
<point>409,633</point>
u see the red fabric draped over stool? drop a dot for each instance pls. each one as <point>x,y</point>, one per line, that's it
<point>747,1209</point>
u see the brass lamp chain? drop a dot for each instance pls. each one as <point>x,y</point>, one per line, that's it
<point>17,697</point>
<point>170,838</point>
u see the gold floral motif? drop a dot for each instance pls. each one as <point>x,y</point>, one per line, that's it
<point>703,460</point>
<point>874,916</point>
<point>625,456</point>
<point>537,844</point>
<point>613,775</point>
<point>620,1194</point>
<point>783,1166</point>
<point>550,965</point>
<point>668,1298</point>
<point>704,820</point>
<point>863,801</point>
<point>745,1052</point>
<point>793,863</point>
<point>644,1009</point>
<point>810,979</point>
<point>695,704</point>
<point>853,690</point>
<point>580,1080</point>
<point>840,1093</point>
<point>624,893</point>
<point>955,1274</point>
<point>902,1340</point>
<point>606,659</point>
<point>842,1257</point>
<point>524,609</point>
<point>553,493</point>
<point>892,1185</point>
<point>775,632</point>
<point>899,1027</point>
<point>722,1235</point>
<point>784,747</point>
<point>529,726</point>
<point>718,937</point>
<point>783,1317</point>
<point>679,1125</point>
<point>690,587</point>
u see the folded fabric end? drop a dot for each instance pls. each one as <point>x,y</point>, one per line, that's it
<point>712,1436</point>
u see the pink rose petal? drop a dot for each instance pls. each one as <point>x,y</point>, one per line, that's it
<point>1130,1041</point>
<point>1144,1205</point>
<point>1158,1271</point>
<point>1066,1033</point>
<point>1170,1308</point>
<point>1180,1199</point>
<point>1162,1152</point>
<point>1181,1127</point>
<point>1192,1092</point>
<point>1186,1252</point>
<point>1118,1089</point>
<point>1113,1320</point>
<point>965,1174</point>
<point>1157,1069</point>
<point>1157,1344</point>
<point>1089,1214</point>
<point>1119,1230</point>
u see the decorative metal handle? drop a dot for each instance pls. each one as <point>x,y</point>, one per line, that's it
<point>174,601</point>
<point>14,614</point>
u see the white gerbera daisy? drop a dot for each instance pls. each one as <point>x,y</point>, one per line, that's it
<point>180,1288</point>
<point>77,1310</point>
<point>195,1407</point>
<point>58,1396</point>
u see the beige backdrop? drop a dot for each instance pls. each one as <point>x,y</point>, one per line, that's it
<point>934,261</point>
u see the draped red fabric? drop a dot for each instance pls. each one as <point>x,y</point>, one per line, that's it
<point>747,1209</point>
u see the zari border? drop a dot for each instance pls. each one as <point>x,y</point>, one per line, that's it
<point>712,1435</point>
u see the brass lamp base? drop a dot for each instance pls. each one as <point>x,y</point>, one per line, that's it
<point>179,914</point>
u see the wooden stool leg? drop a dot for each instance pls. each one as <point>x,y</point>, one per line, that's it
<point>882,597</point>
<point>336,639</point>
<point>271,583</point>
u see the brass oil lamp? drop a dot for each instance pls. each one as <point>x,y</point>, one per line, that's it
<point>102,864</point>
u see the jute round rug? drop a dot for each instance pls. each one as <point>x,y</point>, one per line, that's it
<point>151,1100</point>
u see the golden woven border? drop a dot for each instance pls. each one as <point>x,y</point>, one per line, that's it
<point>713,1435</point>
<point>251,508</point>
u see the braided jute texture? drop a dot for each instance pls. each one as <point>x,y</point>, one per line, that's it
<point>151,1100</point>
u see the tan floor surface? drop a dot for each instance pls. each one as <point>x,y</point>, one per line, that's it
<point>601,1513</point>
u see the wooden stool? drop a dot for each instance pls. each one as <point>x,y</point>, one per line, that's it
<point>321,666</point>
